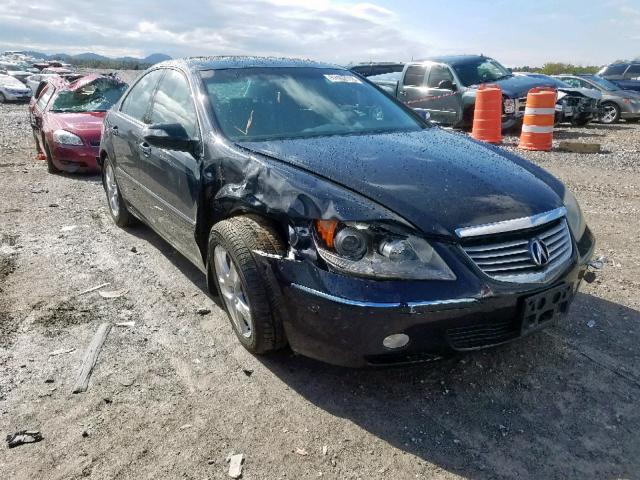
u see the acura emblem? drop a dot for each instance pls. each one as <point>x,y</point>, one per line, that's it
<point>538,252</point>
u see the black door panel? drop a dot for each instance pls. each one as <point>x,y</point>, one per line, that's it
<point>126,127</point>
<point>171,178</point>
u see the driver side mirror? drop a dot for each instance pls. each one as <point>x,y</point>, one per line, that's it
<point>447,85</point>
<point>171,136</point>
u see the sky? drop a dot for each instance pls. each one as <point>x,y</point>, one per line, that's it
<point>515,32</point>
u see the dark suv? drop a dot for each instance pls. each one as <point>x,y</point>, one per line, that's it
<point>625,75</point>
<point>331,217</point>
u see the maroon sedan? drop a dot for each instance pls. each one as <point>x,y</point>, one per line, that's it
<point>67,121</point>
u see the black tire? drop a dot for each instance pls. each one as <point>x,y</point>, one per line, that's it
<point>51,168</point>
<point>616,116</point>
<point>3,99</point>
<point>239,237</point>
<point>118,210</point>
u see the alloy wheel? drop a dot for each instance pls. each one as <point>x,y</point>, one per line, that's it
<point>112,190</point>
<point>233,291</point>
<point>609,114</point>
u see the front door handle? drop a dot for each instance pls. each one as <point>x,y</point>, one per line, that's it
<point>403,93</point>
<point>145,148</point>
<point>114,130</point>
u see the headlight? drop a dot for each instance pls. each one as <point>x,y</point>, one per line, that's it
<point>574,215</point>
<point>378,251</point>
<point>66,138</point>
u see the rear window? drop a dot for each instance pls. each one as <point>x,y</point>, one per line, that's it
<point>615,69</point>
<point>633,72</point>
<point>415,76</point>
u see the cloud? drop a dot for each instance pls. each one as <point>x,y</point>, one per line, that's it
<point>319,29</point>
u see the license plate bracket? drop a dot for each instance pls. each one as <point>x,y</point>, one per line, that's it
<point>540,309</point>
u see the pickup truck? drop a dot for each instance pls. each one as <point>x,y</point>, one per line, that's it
<point>625,75</point>
<point>446,87</point>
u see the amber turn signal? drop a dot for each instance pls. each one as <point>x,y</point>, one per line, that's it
<point>327,229</point>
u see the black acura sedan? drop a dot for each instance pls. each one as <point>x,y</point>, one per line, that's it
<point>330,217</point>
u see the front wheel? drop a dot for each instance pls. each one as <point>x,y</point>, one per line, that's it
<point>610,113</point>
<point>51,167</point>
<point>3,99</point>
<point>249,296</point>
<point>117,207</point>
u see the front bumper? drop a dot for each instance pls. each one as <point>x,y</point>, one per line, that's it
<point>344,320</point>
<point>17,97</point>
<point>75,159</point>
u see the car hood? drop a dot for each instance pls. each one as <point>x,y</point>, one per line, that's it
<point>79,123</point>
<point>518,86</point>
<point>438,181</point>
<point>587,92</point>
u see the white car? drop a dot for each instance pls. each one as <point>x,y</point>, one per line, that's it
<point>12,89</point>
<point>33,81</point>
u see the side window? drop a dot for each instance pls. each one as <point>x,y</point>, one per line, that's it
<point>139,97</point>
<point>615,69</point>
<point>173,103</point>
<point>44,97</point>
<point>584,84</point>
<point>414,77</point>
<point>438,74</point>
<point>633,72</point>
<point>572,81</point>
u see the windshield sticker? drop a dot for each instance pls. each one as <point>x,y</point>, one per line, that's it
<point>342,78</point>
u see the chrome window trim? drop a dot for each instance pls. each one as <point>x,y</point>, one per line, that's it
<point>358,303</point>
<point>511,225</point>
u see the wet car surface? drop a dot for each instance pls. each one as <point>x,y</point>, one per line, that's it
<point>332,218</point>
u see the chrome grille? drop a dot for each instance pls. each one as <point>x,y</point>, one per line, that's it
<point>506,257</point>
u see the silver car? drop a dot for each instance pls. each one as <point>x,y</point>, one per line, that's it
<point>13,90</point>
<point>616,103</point>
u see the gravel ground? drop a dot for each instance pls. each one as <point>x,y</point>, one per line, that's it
<point>175,394</point>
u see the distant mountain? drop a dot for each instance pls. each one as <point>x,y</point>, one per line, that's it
<point>156,58</point>
<point>94,57</point>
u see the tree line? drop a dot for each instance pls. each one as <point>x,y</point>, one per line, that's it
<point>556,68</point>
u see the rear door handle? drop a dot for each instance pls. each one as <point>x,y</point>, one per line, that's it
<point>145,148</point>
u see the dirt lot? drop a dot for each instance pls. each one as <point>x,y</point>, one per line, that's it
<point>174,395</point>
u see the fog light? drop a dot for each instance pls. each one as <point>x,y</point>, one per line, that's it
<point>397,340</point>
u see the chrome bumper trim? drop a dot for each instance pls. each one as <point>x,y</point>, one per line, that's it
<point>358,303</point>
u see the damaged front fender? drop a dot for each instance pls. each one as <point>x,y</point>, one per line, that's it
<point>243,181</point>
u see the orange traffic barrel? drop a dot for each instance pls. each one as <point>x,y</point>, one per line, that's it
<point>487,115</point>
<point>539,115</point>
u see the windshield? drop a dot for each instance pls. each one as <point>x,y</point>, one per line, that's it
<point>276,103</point>
<point>480,70</point>
<point>604,83</point>
<point>97,96</point>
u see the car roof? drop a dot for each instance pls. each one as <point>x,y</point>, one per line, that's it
<point>223,62</point>
<point>452,59</point>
